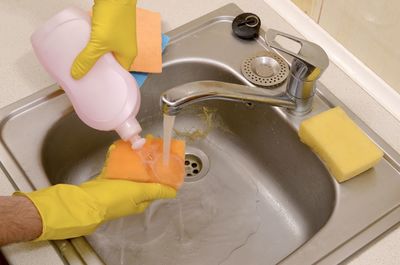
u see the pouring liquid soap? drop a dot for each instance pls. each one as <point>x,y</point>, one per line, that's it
<point>107,98</point>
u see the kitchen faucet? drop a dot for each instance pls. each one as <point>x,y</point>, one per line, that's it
<point>306,67</point>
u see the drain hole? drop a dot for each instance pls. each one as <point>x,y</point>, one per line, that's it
<point>193,165</point>
<point>265,69</point>
<point>196,165</point>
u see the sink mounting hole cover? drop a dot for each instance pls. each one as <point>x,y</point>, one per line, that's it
<point>266,69</point>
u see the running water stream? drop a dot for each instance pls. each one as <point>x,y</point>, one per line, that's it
<point>168,125</point>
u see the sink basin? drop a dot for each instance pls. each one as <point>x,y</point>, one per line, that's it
<point>270,199</point>
<point>294,202</point>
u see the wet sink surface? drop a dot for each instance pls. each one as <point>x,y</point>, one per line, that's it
<point>263,197</point>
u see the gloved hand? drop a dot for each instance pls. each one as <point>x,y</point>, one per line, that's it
<point>113,30</point>
<point>69,211</point>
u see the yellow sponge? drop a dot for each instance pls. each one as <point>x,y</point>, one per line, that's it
<point>340,143</point>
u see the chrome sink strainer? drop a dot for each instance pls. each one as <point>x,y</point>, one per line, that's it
<point>196,164</point>
<point>266,69</point>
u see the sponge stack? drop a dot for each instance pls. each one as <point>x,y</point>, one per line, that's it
<point>340,143</point>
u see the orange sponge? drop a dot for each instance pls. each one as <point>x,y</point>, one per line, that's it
<point>148,32</point>
<point>146,164</point>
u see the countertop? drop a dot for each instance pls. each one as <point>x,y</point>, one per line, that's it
<point>21,75</point>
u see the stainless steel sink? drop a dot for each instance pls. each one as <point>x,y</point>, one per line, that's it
<point>296,212</point>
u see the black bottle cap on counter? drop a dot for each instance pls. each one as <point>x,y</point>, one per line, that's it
<point>246,26</point>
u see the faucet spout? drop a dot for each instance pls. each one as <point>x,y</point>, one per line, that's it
<point>175,99</point>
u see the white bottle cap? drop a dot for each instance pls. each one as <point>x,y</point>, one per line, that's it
<point>137,142</point>
<point>129,131</point>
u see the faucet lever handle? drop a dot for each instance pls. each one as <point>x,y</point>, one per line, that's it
<point>309,53</point>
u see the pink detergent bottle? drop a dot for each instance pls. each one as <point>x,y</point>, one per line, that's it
<point>107,97</point>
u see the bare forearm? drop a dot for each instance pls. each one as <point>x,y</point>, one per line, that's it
<point>19,220</point>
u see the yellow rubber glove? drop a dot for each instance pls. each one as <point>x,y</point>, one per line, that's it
<point>69,211</point>
<point>113,30</point>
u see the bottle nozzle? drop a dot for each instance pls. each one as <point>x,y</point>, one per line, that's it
<point>137,142</point>
<point>129,131</point>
